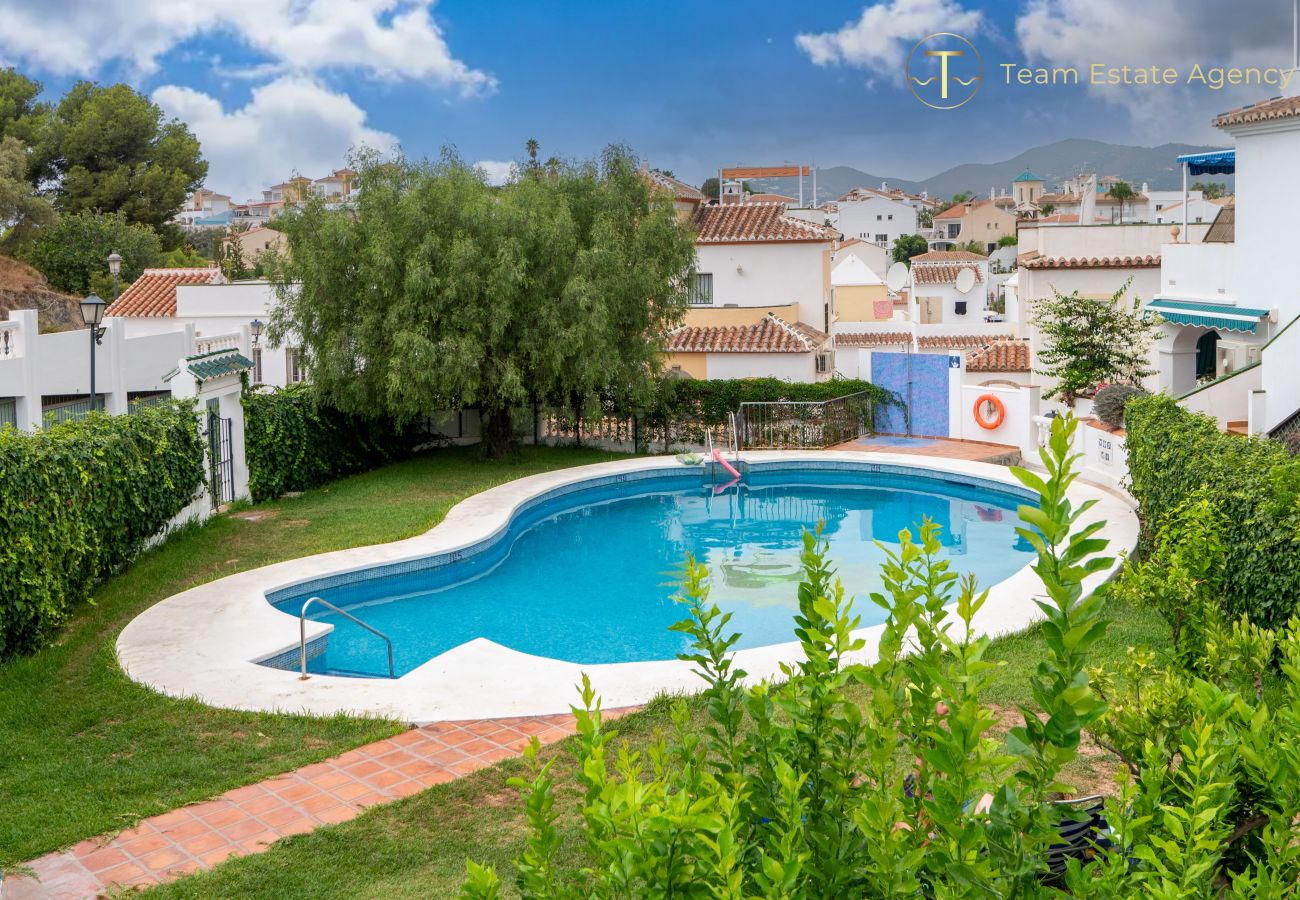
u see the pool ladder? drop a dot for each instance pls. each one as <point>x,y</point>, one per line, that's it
<point>733,444</point>
<point>302,634</point>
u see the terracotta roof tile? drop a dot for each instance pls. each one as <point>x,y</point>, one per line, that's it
<point>1002,355</point>
<point>872,339</point>
<point>958,341</point>
<point>745,222</point>
<point>948,256</point>
<point>941,273</point>
<point>770,335</point>
<point>1094,262</point>
<point>1277,108</point>
<point>154,292</point>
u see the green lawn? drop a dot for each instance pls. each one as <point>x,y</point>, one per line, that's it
<point>84,751</point>
<point>417,847</point>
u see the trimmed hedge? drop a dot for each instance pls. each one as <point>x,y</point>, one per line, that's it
<point>293,442</point>
<point>78,502</point>
<point>1174,454</point>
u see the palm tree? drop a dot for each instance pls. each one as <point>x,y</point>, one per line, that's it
<point>533,147</point>
<point>1047,209</point>
<point>1123,192</point>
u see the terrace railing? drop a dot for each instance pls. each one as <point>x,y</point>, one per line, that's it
<point>788,425</point>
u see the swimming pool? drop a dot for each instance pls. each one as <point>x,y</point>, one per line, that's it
<point>586,574</point>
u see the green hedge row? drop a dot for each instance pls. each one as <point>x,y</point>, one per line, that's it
<point>293,442</point>
<point>78,501</point>
<point>1174,454</point>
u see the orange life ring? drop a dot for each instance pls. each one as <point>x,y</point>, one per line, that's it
<point>989,424</point>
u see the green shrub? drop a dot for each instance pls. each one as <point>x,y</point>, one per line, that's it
<point>293,442</point>
<point>1174,454</point>
<point>1110,402</point>
<point>79,501</point>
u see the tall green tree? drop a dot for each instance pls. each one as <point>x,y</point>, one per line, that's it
<point>436,292</point>
<point>22,212</point>
<point>109,150</point>
<point>72,254</point>
<point>1210,190</point>
<point>908,245</point>
<point>1088,342</point>
<point>21,115</point>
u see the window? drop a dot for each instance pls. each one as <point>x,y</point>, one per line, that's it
<point>891,217</point>
<point>297,372</point>
<point>701,293</point>
<point>823,363</point>
<point>257,365</point>
<point>880,218</point>
<point>882,239</point>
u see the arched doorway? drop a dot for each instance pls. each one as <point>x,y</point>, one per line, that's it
<point>1206,357</point>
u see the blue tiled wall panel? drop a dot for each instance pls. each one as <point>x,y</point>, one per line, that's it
<point>929,395</point>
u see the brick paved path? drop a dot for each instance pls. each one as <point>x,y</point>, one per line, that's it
<point>250,819</point>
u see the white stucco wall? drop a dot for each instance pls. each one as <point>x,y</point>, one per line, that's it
<point>865,219</point>
<point>1017,427</point>
<point>789,366</point>
<point>1268,190</point>
<point>1199,272</point>
<point>766,274</point>
<point>1227,400</point>
<point>1279,379</point>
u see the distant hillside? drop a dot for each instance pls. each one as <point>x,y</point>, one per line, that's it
<point>22,287</point>
<point>1054,162</point>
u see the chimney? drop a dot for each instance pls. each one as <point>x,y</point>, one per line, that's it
<point>884,186</point>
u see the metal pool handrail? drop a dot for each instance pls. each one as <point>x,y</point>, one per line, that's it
<point>302,634</point>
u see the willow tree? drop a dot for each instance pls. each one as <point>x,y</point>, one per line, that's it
<point>436,291</point>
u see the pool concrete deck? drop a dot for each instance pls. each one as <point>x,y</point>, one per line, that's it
<point>204,642</point>
<point>938,448</point>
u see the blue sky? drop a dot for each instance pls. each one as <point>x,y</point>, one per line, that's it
<point>274,86</point>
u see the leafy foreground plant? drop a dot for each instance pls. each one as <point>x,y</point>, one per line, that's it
<point>793,790</point>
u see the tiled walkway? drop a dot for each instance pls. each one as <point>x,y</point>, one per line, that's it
<point>948,448</point>
<point>249,819</point>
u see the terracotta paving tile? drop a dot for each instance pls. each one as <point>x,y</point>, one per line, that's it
<point>278,817</point>
<point>394,759</point>
<point>496,754</point>
<point>103,859</point>
<point>317,802</point>
<point>350,757</point>
<point>145,843</point>
<point>173,818</point>
<point>258,842</point>
<point>416,767</point>
<point>200,810</point>
<point>405,789</point>
<point>226,816</point>
<point>384,779</point>
<point>473,764</point>
<point>363,768</point>
<point>407,738</point>
<point>374,798</point>
<point>188,829</point>
<point>448,757</point>
<point>296,792</point>
<point>244,794</point>
<point>89,845</point>
<point>259,805</point>
<point>457,737</point>
<point>437,776</point>
<point>336,814</point>
<point>351,791</point>
<point>532,726</point>
<point>160,860</point>
<point>330,780</point>
<point>220,854</point>
<point>242,829</point>
<point>180,870</point>
<point>300,825</point>
<point>203,843</point>
<point>123,874</point>
<point>485,726</point>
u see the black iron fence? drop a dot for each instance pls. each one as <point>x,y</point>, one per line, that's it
<point>786,425</point>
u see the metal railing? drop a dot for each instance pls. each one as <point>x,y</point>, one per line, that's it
<point>302,634</point>
<point>803,425</point>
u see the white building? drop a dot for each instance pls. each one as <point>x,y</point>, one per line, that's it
<point>1198,211</point>
<point>869,215</point>
<point>203,205</point>
<point>221,314</point>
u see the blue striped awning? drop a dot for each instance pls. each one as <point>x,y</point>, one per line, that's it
<point>1207,315</point>
<point>1216,162</point>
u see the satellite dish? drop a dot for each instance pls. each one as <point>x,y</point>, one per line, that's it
<point>965,280</point>
<point>897,276</point>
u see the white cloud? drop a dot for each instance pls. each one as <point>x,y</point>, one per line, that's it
<point>880,39</point>
<point>291,124</point>
<point>381,38</point>
<point>495,171</point>
<point>1166,33</point>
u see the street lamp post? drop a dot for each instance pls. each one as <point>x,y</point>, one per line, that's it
<point>114,266</point>
<point>92,313</point>
<point>255,332</point>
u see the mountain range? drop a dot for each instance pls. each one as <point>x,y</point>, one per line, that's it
<point>1055,163</point>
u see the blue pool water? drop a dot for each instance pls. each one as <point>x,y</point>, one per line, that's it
<point>588,576</point>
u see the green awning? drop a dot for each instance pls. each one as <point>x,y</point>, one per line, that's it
<point>1208,315</point>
